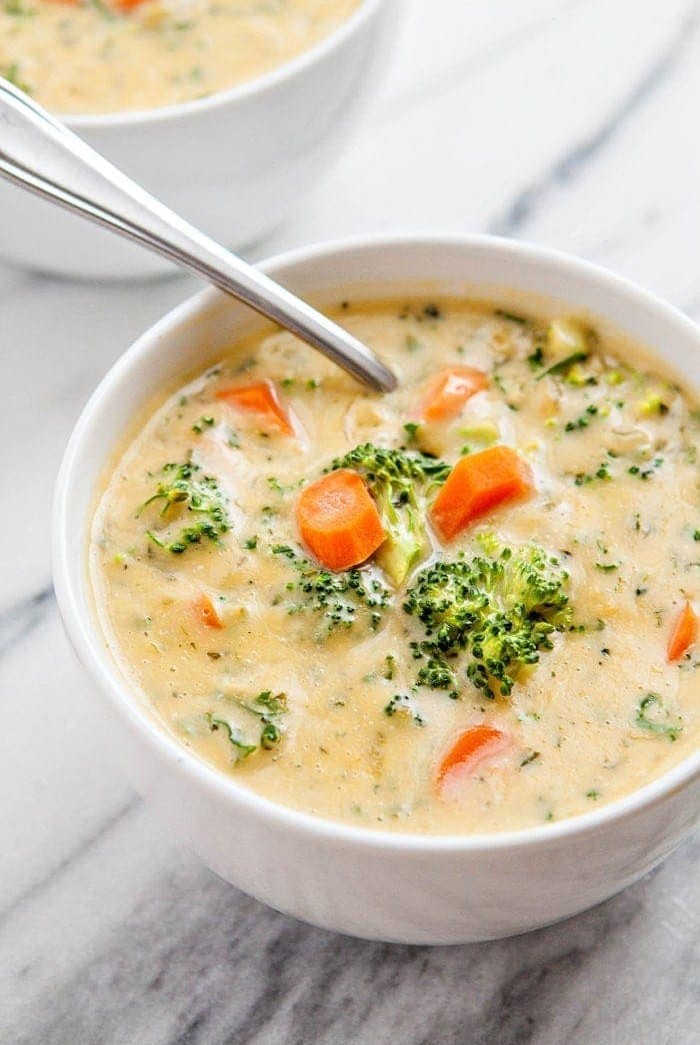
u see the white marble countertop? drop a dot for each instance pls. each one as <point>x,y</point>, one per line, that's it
<point>568,122</point>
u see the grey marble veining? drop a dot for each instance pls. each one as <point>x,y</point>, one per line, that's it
<point>188,960</point>
<point>568,122</point>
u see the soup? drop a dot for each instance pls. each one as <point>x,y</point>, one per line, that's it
<point>85,56</point>
<point>465,606</point>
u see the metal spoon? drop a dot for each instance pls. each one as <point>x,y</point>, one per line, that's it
<point>39,153</point>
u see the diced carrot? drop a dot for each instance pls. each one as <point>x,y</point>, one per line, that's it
<point>208,612</point>
<point>126,5</point>
<point>119,5</point>
<point>478,483</point>
<point>684,632</point>
<point>448,390</point>
<point>338,520</point>
<point>471,747</point>
<point>262,399</point>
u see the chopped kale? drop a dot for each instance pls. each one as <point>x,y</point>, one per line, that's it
<point>652,716</point>
<point>267,708</point>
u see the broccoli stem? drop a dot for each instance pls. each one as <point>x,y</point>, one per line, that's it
<point>401,482</point>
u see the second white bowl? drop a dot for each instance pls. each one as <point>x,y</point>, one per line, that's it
<point>233,164</point>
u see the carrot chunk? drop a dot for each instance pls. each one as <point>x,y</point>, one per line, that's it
<point>118,5</point>
<point>338,520</point>
<point>207,611</point>
<point>471,747</point>
<point>448,390</point>
<point>477,484</point>
<point>684,632</point>
<point>262,399</point>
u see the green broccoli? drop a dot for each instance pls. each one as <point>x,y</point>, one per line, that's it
<point>342,599</point>
<point>182,487</point>
<point>403,705</point>
<point>400,482</point>
<point>500,611</point>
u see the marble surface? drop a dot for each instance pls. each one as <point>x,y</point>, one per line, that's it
<point>567,122</point>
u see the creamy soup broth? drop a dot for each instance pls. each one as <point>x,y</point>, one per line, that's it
<point>81,56</point>
<point>223,636</point>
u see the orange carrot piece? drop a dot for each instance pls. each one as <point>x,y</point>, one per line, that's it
<point>127,5</point>
<point>119,5</point>
<point>338,520</point>
<point>207,611</point>
<point>262,399</point>
<point>477,484</point>
<point>448,390</point>
<point>471,747</point>
<point>684,632</point>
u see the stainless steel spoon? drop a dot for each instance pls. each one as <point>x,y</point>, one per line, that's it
<point>39,153</point>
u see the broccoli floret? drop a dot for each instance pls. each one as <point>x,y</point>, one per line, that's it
<point>436,674</point>
<point>182,487</point>
<point>342,599</point>
<point>498,611</point>
<point>400,482</point>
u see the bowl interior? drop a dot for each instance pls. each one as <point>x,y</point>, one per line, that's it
<point>195,333</point>
<point>81,122</point>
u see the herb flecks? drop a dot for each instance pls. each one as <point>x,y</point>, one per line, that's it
<point>403,705</point>
<point>601,474</point>
<point>202,423</point>
<point>512,317</point>
<point>583,420</point>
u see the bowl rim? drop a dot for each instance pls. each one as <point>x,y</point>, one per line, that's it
<point>83,630</point>
<point>239,92</point>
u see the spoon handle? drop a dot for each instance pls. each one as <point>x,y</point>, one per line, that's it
<point>42,155</point>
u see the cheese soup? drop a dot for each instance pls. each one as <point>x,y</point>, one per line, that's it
<point>465,606</point>
<point>100,56</point>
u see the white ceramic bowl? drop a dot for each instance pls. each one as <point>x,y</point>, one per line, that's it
<point>234,163</point>
<point>395,887</point>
